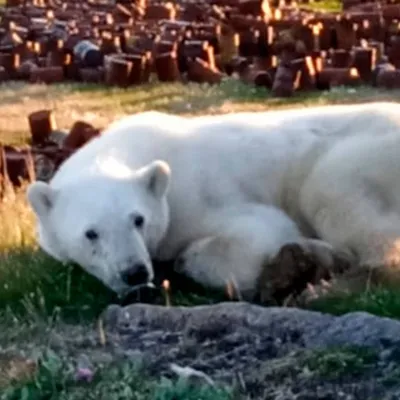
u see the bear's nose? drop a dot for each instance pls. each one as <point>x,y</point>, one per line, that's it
<point>135,275</point>
<point>179,264</point>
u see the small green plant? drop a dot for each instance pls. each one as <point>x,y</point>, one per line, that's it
<point>335,362</point>
<point>59,380</point>
<point>382,301</point>
<point>393,378</point>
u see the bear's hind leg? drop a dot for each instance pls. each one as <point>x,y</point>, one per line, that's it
<point>358,222</point>
<point>360,217</point>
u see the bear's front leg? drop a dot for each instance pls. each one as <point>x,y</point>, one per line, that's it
<point>220,263</point>
<point>299,266</point>
<point>246,253</point>
<point>232,254</point>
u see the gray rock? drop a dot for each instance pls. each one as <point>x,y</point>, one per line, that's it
<point>58,136</point>
<point>312,328</point>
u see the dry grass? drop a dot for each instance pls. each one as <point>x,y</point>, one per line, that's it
<point>17,221</point>
<point>99,105</point>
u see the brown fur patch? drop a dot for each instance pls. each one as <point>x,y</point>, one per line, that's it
<point>289,273</point>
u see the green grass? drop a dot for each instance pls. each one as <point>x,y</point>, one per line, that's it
<point>49,288</point>
<point>380,301</point>
<point>99,105</point>
<point>52,376</point>
<point>340,361</point>
<point>55,378</point>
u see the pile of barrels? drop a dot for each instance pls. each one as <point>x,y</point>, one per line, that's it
<point>48,149</point>
<point>280,45</point>
<point>284,47</point>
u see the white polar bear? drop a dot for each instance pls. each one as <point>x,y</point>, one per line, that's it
<point>155,184</point>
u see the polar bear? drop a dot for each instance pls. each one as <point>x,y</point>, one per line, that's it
<point>218,193</point>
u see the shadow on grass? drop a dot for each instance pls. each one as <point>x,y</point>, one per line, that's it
<point>163,97</point>
<point>381,301</point>
<point>238,92</point>
<point>340,361</point>
<point>106,102</point>
<point>33,284</point>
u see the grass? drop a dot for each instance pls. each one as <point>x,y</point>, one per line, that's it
<point>36,291</point>
<point>99,106</point>
<point>51,377</point>
<point>340,361</point>
<point>382,301</point>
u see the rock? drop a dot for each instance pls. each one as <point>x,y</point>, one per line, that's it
<point>56,341</point>
<point>58,137</point>
<point>312,329</point>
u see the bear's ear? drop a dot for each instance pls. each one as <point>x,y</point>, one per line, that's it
<point>156,177</point>
<point>41,197</point>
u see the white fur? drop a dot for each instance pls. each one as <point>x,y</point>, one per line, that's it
<point>219,177</point>
<point>245,238</point>
<point>352,197</point>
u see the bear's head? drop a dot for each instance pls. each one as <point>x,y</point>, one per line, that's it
<point>111,226</point>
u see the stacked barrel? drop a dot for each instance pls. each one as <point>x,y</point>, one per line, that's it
<point>282,46</point>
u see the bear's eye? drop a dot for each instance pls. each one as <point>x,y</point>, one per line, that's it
<point>138,220</point>
<point>91,234</point>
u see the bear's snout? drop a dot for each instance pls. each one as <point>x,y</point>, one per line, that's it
<point>179,263</point>
<point>136,275</point>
